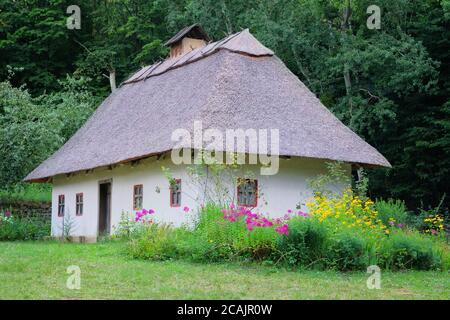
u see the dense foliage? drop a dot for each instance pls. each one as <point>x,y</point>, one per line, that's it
<point>343,233</point>
<point>390,85</point>
<point>23,228</point>
<point>32,128</point>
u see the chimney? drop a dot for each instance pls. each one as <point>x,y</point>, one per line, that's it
<point>186,40</point>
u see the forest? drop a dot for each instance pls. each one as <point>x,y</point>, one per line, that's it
<point>390,85</point>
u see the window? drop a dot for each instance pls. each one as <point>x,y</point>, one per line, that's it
<point>247,192</point>
<point>138,195</point>
<point>61,205</point>
<point>175,193</point>
<point>79,204</point>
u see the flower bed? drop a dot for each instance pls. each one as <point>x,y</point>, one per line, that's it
<point>340,233</point>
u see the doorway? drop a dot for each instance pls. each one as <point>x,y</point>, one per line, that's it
<point>104,213</point>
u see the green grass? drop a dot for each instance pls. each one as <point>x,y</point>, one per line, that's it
<point>37,270</point>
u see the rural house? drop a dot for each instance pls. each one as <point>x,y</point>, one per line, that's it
<point>113,162</point>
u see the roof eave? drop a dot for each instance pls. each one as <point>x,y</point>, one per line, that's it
<point>31,179</point>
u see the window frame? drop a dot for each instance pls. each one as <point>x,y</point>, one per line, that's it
<point>79,204</point>
<point>61,204</point>
<point>136,196</point>
<point>171,192</point>
<point>250,205</point>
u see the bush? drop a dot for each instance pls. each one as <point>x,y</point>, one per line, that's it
<point>217,239</point>
<point>410,250</point>
<point>260,244</point>
<point>154,241</point>
<point>305,243</point>
<point>347,251</point>
<point>392,211</point>
<point>35,192</point>
<point>13,228</point>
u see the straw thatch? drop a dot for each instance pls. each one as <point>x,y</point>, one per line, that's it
<point>232,83</point>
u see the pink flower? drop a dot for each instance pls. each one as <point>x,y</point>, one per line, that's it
<point>8,214</point>
<point>143,212</point>
<point>392,223</point>
<point>186,209</point>
<point>289,211</point>
<point>302,214</point>
<point>434,232</point>
<point>284,229</point>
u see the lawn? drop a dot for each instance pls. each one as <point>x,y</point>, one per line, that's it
<point>37,270</point>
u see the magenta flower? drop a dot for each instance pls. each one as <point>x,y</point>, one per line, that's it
<point>289,211</point>
<point>186,209</point>
<point>142,213</point>
<point>254,220</point>
<point>8,214</point>
<point>284,229</point>
<point>302,214</point>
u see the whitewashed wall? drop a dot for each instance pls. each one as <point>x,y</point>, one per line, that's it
<point>278,193</point>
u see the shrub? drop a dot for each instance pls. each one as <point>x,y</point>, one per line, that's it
<point>431,220</point>
<point>126,227</point>
<point>410,250</point>
<point>153,241</point>
<point>217,238</point>
<point>13,228</point>
<point>36,192</point>
<point>259,244</point>
<point>392,212</point>
<point>218,230</point>
<point>305,243</point>
<point>347,251</point>
<point>347,212</point>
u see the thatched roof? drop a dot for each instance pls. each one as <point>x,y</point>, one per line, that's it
<point>232,83</point>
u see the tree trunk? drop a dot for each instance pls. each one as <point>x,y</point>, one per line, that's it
<point>345,26</point>
<point>112,80</point>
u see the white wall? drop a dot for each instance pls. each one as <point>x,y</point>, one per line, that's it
<point>278,193</point>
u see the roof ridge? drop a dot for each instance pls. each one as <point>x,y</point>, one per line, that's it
<point>258,49</point>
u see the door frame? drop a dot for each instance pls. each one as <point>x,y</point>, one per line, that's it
<point>108,226</point>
